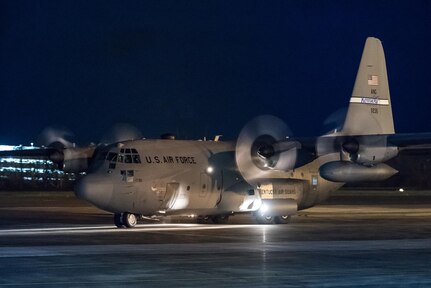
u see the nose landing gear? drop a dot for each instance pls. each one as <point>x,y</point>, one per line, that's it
<point>126,219</point>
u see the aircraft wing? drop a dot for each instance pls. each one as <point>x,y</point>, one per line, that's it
<point>409,143</point>
<point>412,143</point>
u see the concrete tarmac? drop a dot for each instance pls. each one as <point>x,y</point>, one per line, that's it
<point>52,239</point>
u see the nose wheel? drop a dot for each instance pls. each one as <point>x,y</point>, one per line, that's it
<point>126,219</point>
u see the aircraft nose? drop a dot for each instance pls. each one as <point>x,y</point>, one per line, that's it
<point>95,189</point>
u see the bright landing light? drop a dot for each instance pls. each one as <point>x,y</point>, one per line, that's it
<point>263,209</point>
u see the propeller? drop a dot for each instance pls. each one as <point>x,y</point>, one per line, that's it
<point>55,137</point>
<point>334,122</point>
<point>262,146</point>
<point>54,140</point>
<point>121,132</point>
<point>56,146</point>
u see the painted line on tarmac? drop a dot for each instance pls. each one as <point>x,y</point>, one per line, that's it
<point>111,229</point>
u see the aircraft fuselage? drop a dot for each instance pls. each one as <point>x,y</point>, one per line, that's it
<point>151,177</point>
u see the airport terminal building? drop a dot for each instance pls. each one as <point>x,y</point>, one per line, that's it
<point>32,173</point>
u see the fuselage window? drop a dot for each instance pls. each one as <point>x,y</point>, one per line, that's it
<point>127,175</point>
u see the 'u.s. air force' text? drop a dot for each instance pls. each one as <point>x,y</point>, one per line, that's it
<point>170,159</point>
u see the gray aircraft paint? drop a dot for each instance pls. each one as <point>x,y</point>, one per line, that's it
<point>370,110</point>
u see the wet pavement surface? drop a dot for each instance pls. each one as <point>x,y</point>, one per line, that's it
<point>51,239</point>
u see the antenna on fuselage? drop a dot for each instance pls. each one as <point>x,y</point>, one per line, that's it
<point>168,136</point>
<point>217,138</point>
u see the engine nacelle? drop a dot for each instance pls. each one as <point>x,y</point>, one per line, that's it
<point>76,159</point>
<point>75,165</point>
<point>374,155</point>
<point>345,171</point>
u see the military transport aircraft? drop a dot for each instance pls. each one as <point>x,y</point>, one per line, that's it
<point>265,172</point>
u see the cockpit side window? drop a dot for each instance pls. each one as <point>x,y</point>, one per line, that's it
<point>112,157</point>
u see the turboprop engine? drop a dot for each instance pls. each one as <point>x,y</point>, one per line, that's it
<point>264,146</point>
<point>361,158</point>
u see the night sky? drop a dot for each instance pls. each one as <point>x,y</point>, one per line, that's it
<point>200,68</point>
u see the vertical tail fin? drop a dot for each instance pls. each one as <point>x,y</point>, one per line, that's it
<point>370,110</point>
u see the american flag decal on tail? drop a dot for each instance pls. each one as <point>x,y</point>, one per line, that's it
<point>373,80</point>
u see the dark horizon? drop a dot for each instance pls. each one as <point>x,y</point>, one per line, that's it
<point>198,69</point>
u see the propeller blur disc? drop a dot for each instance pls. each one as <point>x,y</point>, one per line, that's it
<point>258,151</point>
<point>121,132</point>
<point>56,137</point>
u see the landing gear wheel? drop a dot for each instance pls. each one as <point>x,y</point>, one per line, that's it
<point>262,219</point>
<point>285,219</point>
<point>118,220</point>
<point>221,219</point>
<point>129,220</point>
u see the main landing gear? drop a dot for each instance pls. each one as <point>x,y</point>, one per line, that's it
<point>262,219</point>
<point>219,219</point>
<point>126,219</point>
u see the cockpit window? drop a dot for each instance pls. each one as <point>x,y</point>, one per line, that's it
<point>136,158</point>
<point>128,156</point>
<point>112,157</point>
